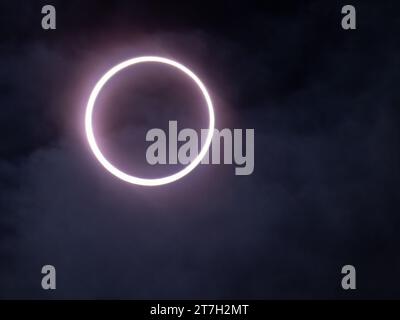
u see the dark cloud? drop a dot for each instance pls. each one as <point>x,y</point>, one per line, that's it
<point>323,103</point>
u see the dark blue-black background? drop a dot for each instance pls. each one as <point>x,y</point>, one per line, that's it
<point>324,103</point>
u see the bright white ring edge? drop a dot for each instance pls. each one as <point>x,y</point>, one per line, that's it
<point>92,141</point>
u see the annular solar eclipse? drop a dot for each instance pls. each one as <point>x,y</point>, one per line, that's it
<point>92,139</point>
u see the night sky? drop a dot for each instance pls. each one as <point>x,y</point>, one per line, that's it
<point>324,103</point>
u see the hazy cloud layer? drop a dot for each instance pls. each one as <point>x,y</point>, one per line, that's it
<point>324,193</point>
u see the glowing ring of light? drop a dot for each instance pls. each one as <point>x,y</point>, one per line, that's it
<point>92,141</point>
